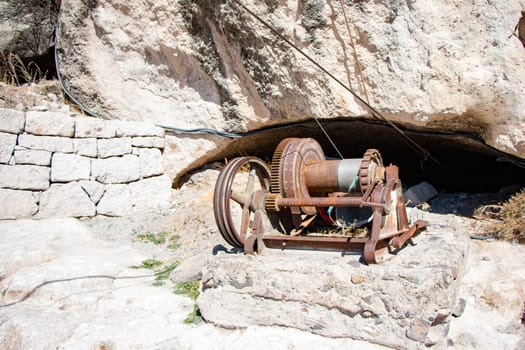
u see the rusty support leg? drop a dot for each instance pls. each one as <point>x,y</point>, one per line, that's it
<point>399,241</point>
<point>371,243</point>
<point>255,234</point>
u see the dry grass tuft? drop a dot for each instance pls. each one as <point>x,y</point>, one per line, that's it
<point>511,226</point>
<point>14,71</point>
<point>507,220</point>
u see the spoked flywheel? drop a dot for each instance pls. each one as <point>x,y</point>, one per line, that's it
<point>239,191</point>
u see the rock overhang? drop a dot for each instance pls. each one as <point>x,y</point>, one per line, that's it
<point>215,66</point>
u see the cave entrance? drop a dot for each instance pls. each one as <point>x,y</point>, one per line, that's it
<point>470,165</point>
<point>18,70</point>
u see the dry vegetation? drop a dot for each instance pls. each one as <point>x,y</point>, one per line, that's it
<point>14,71</point>
<point>507,220</point>
<point>511,226</point>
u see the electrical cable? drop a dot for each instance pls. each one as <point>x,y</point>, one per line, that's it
<point>516,162</point>
<point>376,114</point>
<point>210,131</point>
<point>220,133</point>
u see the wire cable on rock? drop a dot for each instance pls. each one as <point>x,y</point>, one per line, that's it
<point>358,65</point>
<point>63,85</point>
<point>415,146</point>
<point>375,113</point>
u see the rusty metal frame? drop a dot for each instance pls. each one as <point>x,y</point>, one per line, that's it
<point>390,228</point>
<point>392,236</point>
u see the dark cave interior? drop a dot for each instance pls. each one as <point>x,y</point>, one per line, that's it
<point>469,164</point>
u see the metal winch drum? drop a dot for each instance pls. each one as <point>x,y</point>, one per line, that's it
<point>303,200</point>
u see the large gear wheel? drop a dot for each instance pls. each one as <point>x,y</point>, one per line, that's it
<point>276,166</point>
<point>371,169</point>
<point>290,158</point>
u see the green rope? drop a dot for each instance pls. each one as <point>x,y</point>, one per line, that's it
<point>353,184</point>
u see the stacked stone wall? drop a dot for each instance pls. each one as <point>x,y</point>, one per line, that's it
<point>55,164</point>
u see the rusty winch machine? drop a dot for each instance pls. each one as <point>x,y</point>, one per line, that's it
<point>303,200</point>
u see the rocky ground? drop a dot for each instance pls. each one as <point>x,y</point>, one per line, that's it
<point>82,284</point>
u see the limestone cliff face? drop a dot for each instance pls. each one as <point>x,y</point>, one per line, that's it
<point>449,66</point>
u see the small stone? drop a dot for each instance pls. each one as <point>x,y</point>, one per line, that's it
<point>366,314</point>
<point>11,121</point>
<point>316,327</point>
<point>49,123</point>
<point>485,258</point>
<point>32,157</point>
<point>441,315</point>
<point>418,330</point>
<point>41,108</point>
<point>7,145</point>
<point>357,279</point>
<point>402,323</point>
<point>459,308</point>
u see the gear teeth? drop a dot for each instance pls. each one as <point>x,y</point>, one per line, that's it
<point>270,203</point>
<point>366,179</point>
<point>276,167</point>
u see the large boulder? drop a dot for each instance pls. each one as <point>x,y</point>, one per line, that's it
<point>209,63</point>
<point>449,66</point>
<point>402,304</point>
